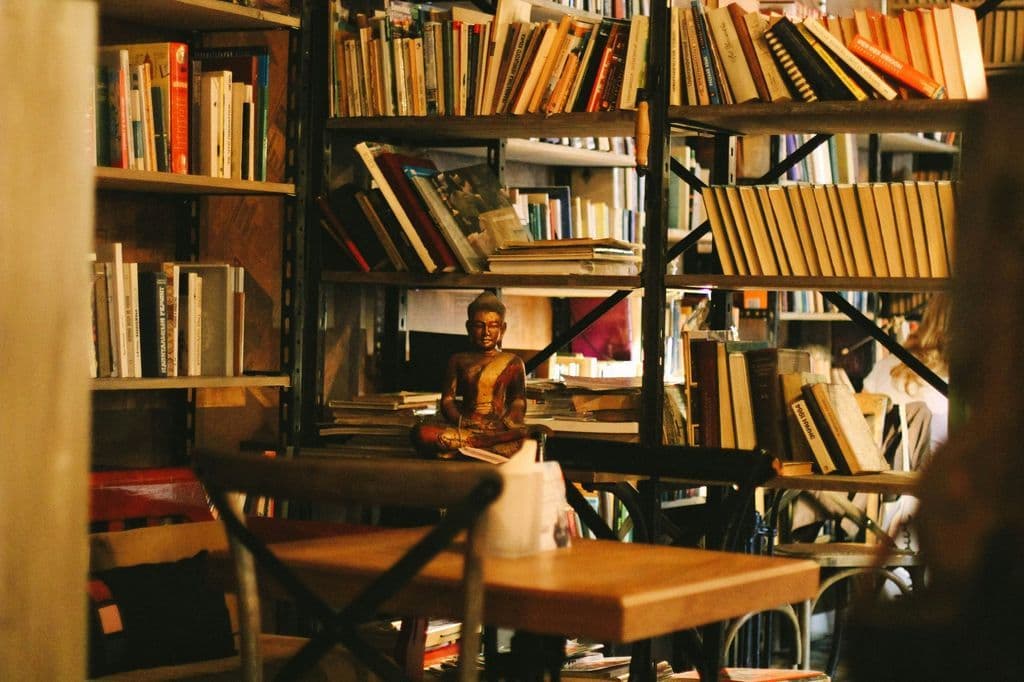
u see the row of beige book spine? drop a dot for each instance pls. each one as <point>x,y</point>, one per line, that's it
<point>898,229</point>
<point>523,66</point>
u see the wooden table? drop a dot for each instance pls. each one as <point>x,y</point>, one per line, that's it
<point>605,590</point>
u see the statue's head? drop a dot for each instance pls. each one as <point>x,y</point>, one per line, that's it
<point>485,321</point>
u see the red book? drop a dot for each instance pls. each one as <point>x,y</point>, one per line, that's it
<point>604,66</point>
<point>337,230</point>
<point>392,165</point>
<point>898,69</point>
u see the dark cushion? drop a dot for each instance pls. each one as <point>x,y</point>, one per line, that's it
<point>151,615</point>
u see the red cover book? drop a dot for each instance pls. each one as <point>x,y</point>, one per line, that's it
<point>392,165</point>
<point>898,69</point>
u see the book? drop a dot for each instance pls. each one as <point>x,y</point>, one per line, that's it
<point>850,212</point>
<point>344,201</point>
<point>385,227</point>
<point>392,164</point>
<point>872,229</point>
<point>725,246</point>
<point>153,323</point>
<point>843,428</point>
<point>898,69</point>
<point>777,89</point>
<point>169,64</point>
<point>340,234</point>
<point>945,39</point>
<point>742,406</point>
<point>774,198</point>
<point>758,210</point>
<point>808,430</point>
<point>901,217</point>
<point>757,231</point>
<point>935,238</point>
<point>734,60</point>
<point>469,259</point>
<point>917,231</point>
<point>704,387</point>
<point>891,247</point>
<point>817,230</point>
<point>803,229</point>
<point>368,153</point>
<point>739,21</point>
<point>824,81</point>
<point>392,400</point>
<point>797,79</point>
<point>742,239</point>
<point>216,317</point>
<point>829,231</point>
<point>834,66</point>
<point>111,255</point>
<point>849,59</point>
<point>764,367</point>
<point>249,64</point>
<point>480,207</point>
<point>947,211</point>
<point>972,66</point>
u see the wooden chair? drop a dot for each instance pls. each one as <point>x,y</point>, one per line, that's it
<point>463,489</point>
<point>161,515</point>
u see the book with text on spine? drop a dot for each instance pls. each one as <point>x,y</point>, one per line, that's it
<point>898,69</point>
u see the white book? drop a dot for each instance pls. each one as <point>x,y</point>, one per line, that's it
<point>227,116</point>
<point>194,323</point>
<point>218,317</point>
<point>210,103</point>
<point>131,285</point>
<point>111,256</point>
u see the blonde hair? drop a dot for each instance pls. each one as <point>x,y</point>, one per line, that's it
<point>927,343</point>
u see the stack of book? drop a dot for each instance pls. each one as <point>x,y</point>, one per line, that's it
<point>586,406</point>
<point>859,230</point>
<point>567,256</point>
<point>379,414</point>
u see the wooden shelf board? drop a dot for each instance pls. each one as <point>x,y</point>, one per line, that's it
<point>887,482</point>
<point>908,142</point>
<point>817,317</point>
<point>808,283</point>
<point>606,124</point>
<point>789,117</point>
<point>483,280</point>
<point>174,183</point>
<point>150,384</point>
<point>535,151</point>
<point>827,117</point>
<point>196,15</point>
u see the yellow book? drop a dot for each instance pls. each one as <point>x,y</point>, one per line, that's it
<point>901,214</point>
<point>803,229</point>
<point>872,229</point>
<point>931,215</point>
<point>947,209</point>
<point>810,206</point>
<point>759,222</point>
<point>855,231</point>
<point>914,214</point>
<point>743,238</point>
<point>758,235</point>
<point>887,226</point>
<point>779,203</point>
<point>828,228</point>
<point>723,244</point>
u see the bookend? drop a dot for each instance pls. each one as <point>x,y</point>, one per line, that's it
<point>463,488</point>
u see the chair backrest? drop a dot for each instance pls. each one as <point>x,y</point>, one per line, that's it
<point>463,488</point>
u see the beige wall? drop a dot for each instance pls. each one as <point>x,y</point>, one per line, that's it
<point>46,214</point>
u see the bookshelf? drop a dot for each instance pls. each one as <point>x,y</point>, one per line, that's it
<point>164,216</point>
<point>895,124</point>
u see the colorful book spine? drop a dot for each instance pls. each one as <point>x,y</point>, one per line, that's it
<point>896,68</point>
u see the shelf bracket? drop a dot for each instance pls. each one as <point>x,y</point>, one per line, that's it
<point>890,344</point>
<point>801,153</point>
<point>984,8</point>
<point>685,174</point>
<point>576,329</point>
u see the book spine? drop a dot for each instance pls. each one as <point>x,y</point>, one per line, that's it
<point>812,436</point>
<point>734,61</point>
<point>896,68</point>
<point>367,156</point>
<point>739,22</point>
<point>825,56</point>
<point>706,58</point>
<point>866,73</point>
<point>820,408</point>
<point>796,77</point>
<point>825,83</point>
